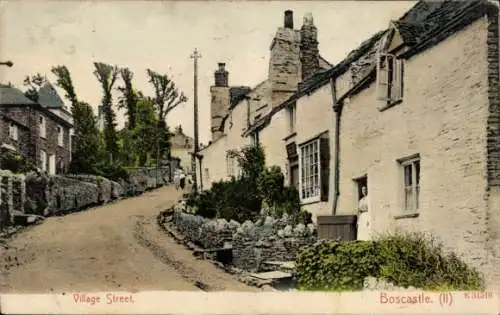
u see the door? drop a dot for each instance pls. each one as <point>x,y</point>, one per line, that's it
<point>52,164</point>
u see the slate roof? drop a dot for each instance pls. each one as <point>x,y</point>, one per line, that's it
<point>237,93</point>
<point>425,20</point>
<point>48,97</point>
<point>13,96</point>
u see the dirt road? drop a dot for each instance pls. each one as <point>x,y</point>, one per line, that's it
<point>114,247</point>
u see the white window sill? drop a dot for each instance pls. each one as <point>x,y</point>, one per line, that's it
<point>407,215</point>
<point>310,200</point>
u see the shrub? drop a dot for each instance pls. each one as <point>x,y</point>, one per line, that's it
<point>114,172</point>
<point>14,162</point>
<point>404,260</point>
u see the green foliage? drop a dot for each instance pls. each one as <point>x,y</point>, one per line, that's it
<point>107,75</point>
<point>33,85</point>
<point>87,146</point>
<point>112,171</point>
<point>14,162</point>
<point>129,97</point>
<point>404,260</point>
<point>243,198</point>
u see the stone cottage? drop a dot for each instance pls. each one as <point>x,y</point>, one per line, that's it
<point>412,115</point>
<point>182,147</point>
<point>39,131</point>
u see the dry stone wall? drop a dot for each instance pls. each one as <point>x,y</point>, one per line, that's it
<point>268,239</point>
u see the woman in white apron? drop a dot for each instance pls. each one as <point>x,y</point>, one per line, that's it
<point>364,226</point>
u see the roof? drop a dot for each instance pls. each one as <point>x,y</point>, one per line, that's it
<point>425,24</point>
<point>48,97</point>
<point>13,96</point>
<point>236,94</point>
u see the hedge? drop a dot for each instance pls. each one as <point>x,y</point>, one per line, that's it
<point>408,260</point>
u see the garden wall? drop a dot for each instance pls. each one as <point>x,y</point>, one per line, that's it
<point>40,194</point>
<point>268,239</point>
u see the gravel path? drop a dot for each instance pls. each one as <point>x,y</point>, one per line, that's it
<point>114,247</point>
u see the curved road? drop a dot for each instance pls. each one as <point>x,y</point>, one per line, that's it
<point>114,247</point>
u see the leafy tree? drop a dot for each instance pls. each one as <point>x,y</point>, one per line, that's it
<point>167,96</point>
<point>64,81</point>
<point>146,131</point>
<point>129,97</point>
<point>33,84</point>
<point>107,75</point>
<point>87,145</point>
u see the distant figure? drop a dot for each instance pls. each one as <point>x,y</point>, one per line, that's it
<point>364,228</point>
<point>182,180</point>
<point>177,179</point>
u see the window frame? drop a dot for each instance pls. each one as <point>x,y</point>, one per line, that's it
<point>60,136</point>
<point>43,159</point>
<point>13,131</point>
<point>43,127</point>
<point>414,187</point>
<point>390,79</point>
<point>230,165</point>
<point>317,186</point>
<point>292,118</point>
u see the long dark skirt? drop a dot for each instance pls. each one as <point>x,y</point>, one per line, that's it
<point>182,183</point>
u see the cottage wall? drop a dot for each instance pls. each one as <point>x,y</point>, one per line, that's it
<point>442,118</point>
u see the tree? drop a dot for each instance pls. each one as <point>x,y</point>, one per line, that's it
<point>167,96</point>
<point>145,134</point>
<point>87,145</point>
<point>107,75</point>
<point>33,83</point>
<point>129,97</point>
<point>64,81</point>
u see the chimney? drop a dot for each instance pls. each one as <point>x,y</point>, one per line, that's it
<point>309,53</point>
<point>221,76</point>
<point>289,19</point>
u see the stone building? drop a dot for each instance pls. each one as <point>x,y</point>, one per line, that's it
<point>182,147</point>
<point>235,109</point>
<point>39,131</point>
<point>413,114</point>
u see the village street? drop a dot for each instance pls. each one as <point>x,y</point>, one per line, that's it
<point>115,247</point>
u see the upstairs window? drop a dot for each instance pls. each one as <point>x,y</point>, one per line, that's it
<point>292,118</point>
<point>13,132</point>
<point>390,74</point>
<point>230,165</point>
<point>43,130</point>
<point>60,136</point>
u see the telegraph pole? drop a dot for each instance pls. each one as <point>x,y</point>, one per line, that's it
<point>195,56</point>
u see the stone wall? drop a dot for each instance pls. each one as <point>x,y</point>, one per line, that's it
<point>12,195</point>
<point>268,239</point>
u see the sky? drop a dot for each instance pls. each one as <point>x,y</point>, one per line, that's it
<point>161,35</point>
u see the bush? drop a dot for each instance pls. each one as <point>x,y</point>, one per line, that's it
<point>242,198</point>
<point>404,260</point>
<point>14,162</point>
<point>114,172</point>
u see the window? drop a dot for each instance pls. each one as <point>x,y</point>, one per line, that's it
<point>230,164</point>
<point>42,127</point>
<point>411,171</point>
<point>390,72</point>
<point>207,175</point>
<point>60,136</point>
<point>13,131</point>
<point>314,170</point>
<point>255,138</point>
<point>43,160</point>
<point>292,116</point>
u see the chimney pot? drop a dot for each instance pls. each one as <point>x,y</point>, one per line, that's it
<point>221,75</point>
<point>222,66</point>
<point>289,19</point>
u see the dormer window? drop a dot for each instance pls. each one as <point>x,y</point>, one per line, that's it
<point>390,70</point>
